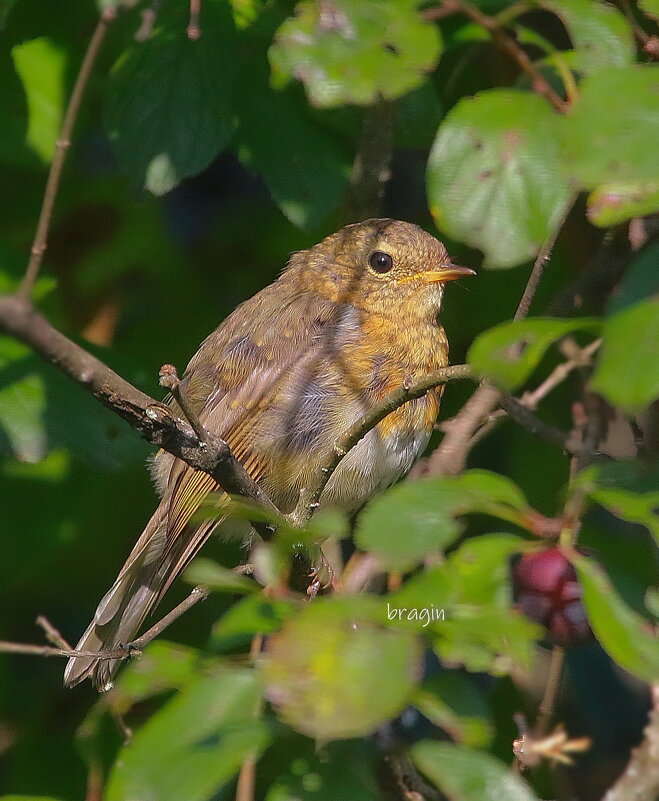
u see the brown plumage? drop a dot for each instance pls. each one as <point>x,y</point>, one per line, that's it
<point>280,379</point>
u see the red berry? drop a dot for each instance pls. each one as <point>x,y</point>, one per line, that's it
<point>547,591</point>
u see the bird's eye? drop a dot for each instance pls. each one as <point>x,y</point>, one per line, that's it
<point>380,262</point>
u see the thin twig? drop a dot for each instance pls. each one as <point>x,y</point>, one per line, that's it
<point>548,702</point>
<point>310,496</point>
<point>519,56</point>
<point>128,650</point>
<point>525,417</point>
<point>559,374</point>
<point>154,420</point>
<point>52,634</point>
<point>371,167</point>
<point>451,456</point>
<point>168,379</point>
<point>40,243</point>
<point>194,28</point>
<point>246,784</point>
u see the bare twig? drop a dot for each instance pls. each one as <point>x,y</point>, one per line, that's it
<point>582,358</point>
<point>128,650</point>
<point>519,56</point>
<point>245,786</point>
<point>194,28</point>
<point>52,634</point>
<point>451,456</point>
<point>40,243</point>
<point>548,702</point>
<point>154,420</point>
<point>310,496</point>
<point>168,379</point>
<point>525,417</point>
<point>149,17</point>
<point>371,167</point>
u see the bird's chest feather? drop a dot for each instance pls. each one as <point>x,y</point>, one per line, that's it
<point>336,387</point>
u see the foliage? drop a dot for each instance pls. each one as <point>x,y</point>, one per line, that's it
<point>197,167</point>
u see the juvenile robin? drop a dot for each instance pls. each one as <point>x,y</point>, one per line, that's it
<point>346,323</point>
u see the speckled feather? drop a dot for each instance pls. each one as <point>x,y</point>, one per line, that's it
<point>280,379</point>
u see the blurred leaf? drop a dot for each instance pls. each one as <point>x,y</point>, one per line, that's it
<point>641,280</point>
<point>627,371</point>
<point>255,614</point>
<point>163,666</point>
<point>465,775</point>
<point>27,798</point>
<point>495,175</point>
<point>286,151</point>
<point>611,204</point>
<point>508,353</point>
<point>599,32</point>
<point>41,65</point>
<point>170,111</point>
<point>194,744</point>
<point>22,405</point>
<point>417,517</point>
<point>354,52</point>
<point>42,409</point>
<point>615,154</point>
<point>341,770</point>
<point>479,627</point>
<point>453,702</point>
<point>332,673</point>
<point>625,636</point>
<point>13,131</point>
<point>650,7</point>
<point>218,578</point>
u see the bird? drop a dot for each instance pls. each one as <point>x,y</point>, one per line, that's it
<point>288,371</point>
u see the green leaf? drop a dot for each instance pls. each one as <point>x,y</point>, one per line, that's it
<point>478,627</point>
<point>627,371</point>
<point>453,702</point>
<point>218,578</point>
<point>306,187</point>
<point>632,503</point>
<point>615,154</point>
<point>355,52</point>
<point>611,204</point>
<point>465,775</point>
<point>495,175</point>
<point>255,614</point>
<point>333,673</point>
<point>170,111</point>
<point>163,666</point>
<point>417,517</point>
<point>641,280</point>
<point>599,32</point>
<point>41,65</point>
<point>626,636</point>
<point>508,353</point>
<point>193,745</point>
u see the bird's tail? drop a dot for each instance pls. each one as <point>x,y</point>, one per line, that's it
<point>148,572</point>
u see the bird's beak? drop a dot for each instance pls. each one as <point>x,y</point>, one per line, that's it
<point>449,272</point>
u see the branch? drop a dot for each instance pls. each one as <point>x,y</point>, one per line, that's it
<point>510,46</point>
<point>125,652</point>
<point>310,496</point>
<point>154,420</point>
<point>372,163</point>
<point>40,243</point>
<point>451,456</point>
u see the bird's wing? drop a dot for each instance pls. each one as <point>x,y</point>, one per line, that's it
<point>233,379</point>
